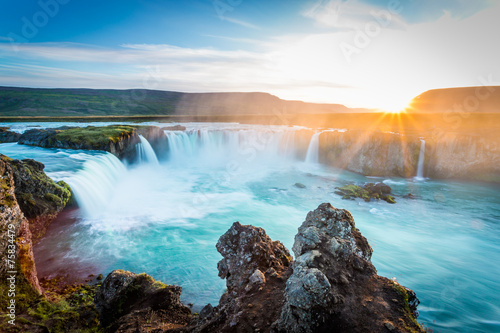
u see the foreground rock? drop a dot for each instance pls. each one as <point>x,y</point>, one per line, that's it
<point>8,136</point>
<point>378,191</point>
<point>331,287</point>
<point>255,269</point>
<point>335,288</point>
<point>129,302</point>
<point>29,201</point>
<point>120,140</point>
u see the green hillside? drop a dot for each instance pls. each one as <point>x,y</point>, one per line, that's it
<point>30,102</point>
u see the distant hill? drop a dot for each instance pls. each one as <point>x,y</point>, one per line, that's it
<point>108,102</point>
<point>469,99</point>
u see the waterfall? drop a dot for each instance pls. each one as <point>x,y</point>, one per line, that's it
<point>313,149</point>
<point>421,158</point>
<point>93,185</point>
<point>215,146</point>
<point>145,152</point>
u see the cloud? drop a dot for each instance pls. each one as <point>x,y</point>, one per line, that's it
<point>241,23</point>
<point>351,14</point>
<point>7,39</point>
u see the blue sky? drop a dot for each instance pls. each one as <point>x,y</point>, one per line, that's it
<point>308,50</point>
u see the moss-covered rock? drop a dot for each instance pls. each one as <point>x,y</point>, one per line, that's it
<point>39,197</point>
<point>125,297</point>
<point>119,140</point>
<point>378,191</point>
<point>68,310</point>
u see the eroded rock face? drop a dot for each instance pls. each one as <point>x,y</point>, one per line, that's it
<point>248,252</point>
<point>15,234</point>
<point>39,197</point>
<point>129,302</point>
<point>255,269</point>
<point>334,286</point>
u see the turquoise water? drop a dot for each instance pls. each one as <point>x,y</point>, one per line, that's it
<point>165,219</point>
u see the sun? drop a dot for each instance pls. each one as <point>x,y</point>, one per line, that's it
<point>395,107</point>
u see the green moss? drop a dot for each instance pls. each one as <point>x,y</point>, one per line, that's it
<point>71,311</point>
<point>406,307</point>
<point>368,192</point>
<point>390,199</point>
<point>28,199</point>
<point>97,137</point>
<point>54,198</point>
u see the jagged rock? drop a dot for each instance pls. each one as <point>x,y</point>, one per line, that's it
<point>8,136</point>
<point>255,269</point>
<point>334,286</point>
<point>247,249</point>
<point>125,302</point>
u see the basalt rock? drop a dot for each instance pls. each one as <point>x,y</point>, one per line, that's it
<point>335,288</point>
<point>8,136</point>
<point>129,302</point>
<point>255,269</point>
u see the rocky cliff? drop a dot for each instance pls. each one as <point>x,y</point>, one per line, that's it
<point>447,156</point>
<point>29,201</point>
<point>119,140</point>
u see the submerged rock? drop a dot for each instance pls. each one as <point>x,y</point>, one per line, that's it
<point>300,185</point>
<point>367,192</point>
<point>129,302</point>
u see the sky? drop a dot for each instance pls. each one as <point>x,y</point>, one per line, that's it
<point>360,53</point>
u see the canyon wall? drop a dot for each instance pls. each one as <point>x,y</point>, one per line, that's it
<point>450,156</point>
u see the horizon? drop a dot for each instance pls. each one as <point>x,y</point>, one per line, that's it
<point>311,51</point>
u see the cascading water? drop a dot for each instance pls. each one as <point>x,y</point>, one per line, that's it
<point>165,220</point>
<point>145,152</point>
<point>421,160</point>
<point>215,146</point>
<point>312,156</point>
<point>93,185</point>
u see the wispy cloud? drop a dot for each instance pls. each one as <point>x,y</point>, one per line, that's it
<point>6,39</point>
<point>350,14</point>
<point>241,23</point>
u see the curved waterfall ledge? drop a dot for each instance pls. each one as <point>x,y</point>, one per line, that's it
<point>120,140</point>
<point>378,154</point>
